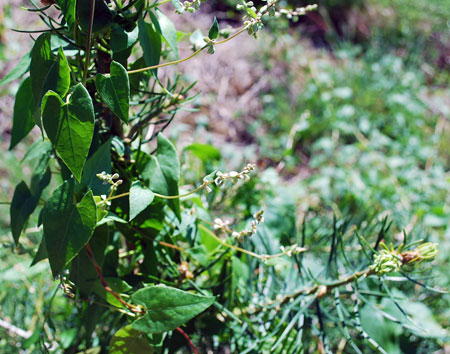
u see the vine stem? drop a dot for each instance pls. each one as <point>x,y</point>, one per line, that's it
<point>89,35</point>
<point>250,253</point>
<point>184,334</point>
<point>179,61</point>
<point>131,307</point>
<point>203,185</point>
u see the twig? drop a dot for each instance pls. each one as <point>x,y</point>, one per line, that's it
<point>184,334</point>
<point>15,330</point>
<point>131,307</point>
<point>322,289</point>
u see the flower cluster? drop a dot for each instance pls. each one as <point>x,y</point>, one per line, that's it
<point>292,250</point>
<point>113,180</point>
<point>234,176</point>
<point>252,17</point>
<point>189,6</point>
<point>299,11</point>
<point>239,236</point>
<point>220,225</point>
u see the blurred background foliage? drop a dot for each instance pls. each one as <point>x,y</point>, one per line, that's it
<point>346,111</point>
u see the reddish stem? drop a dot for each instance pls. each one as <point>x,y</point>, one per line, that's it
<point>105,284</point>
<point>184,334</point>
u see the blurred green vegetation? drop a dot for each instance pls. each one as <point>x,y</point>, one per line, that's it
<point>364,123</point>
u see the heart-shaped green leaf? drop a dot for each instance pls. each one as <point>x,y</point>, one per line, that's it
<point>162,172</point>
<point>48,72</point>
<point>167,308</point>
<point>70,126</point>
<point>140,198</point>
<point>114,90</point>
<point>67,226</point>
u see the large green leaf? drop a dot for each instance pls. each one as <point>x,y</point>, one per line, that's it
<point>58,76</point>
<point>70,126</point>
<point>102,16</point>
<point>41,253</point>
<point>99,161</point>
<point>41,63</point>
<point>162,172</point>
<point>114,90</point>
<point>150,40</point>
<point>23,120</point>
<point>130,341</point>
<point>21,68</point>
<point>47,71</point>
<point>168,31</point>
<point>140,198</point>
<point>67,226</point>
<point>167,308</point>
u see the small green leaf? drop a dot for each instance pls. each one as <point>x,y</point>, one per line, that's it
<point>162,172</point>
<point>214,29</point>
<point>114,90</point>
<point>130,341</point>
<point>21,68</point>
<point>167,308</point>
<point>23,120</point>
<point>150,40</point>
<point>70,126</point>
<point>67,226</point>
<point>68,8</point>
<point>140,198</point>
<point>168,31</point>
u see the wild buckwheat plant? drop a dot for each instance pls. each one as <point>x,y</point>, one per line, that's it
<point>149,265</point>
